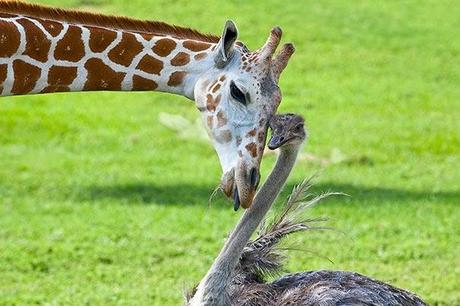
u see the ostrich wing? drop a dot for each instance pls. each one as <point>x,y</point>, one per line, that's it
<point>339,288</point>
<point>262,257</point>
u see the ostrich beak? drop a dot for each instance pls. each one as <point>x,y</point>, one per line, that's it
<point>276,142</point>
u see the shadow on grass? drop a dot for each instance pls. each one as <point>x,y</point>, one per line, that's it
<point>376,195</point>
<point>181,195</point>
<point>185,195</point>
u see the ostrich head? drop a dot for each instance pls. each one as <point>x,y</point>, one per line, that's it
<point>287,129</point>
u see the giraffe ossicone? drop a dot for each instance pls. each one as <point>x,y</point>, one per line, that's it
<point>46,50</point>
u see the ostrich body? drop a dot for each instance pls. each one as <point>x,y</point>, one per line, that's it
<point>237,276</point>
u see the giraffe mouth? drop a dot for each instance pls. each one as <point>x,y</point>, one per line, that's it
<point>241,186</point>
<point>245,189</point>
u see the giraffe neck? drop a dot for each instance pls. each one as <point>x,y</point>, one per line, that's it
<point>43,56</point>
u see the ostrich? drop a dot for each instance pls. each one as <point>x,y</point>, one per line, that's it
<point>237,275</point>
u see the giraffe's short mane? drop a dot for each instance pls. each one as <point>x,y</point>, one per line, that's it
<point>106,21</point>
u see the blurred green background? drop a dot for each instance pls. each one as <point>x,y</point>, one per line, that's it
<point>101,204</point>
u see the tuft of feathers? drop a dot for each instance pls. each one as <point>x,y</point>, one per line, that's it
<point>262,257</point>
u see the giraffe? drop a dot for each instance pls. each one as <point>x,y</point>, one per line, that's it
<point>48,50</point>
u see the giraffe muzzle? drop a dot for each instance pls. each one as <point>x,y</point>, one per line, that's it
<point>245,187</point>
<point>240,185</point>
<point>254,179</point>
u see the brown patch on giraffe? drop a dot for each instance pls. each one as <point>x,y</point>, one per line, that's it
<point>261,137</point>
<point>195,46</point>
<point>176,78</point>
<point>6,15</point>
<point>210,122</point>
<point>52,88</point>
<point>9,39</point>
<point>140,83</point>
<point>100,39</point>
<point>52,27</point>
<point>252,148</point>
<point>59,76</point>
<point>26,75</point>
<point>3,72</point>
<point>224,136</point>
<point>163,47</point>
<point>200,56</point>
<point>37,45</point>
<point>126,50</point>
<point>252,133</point>
<point>150,65</point>
<point>212,103</point>
<point>70,47</point>
<point>212,85</point>
<point>216,88</point>
<point>209,102</point>
<point>101,76</point>
<point>149,36</point>
<point>221,119</point>
<point>180,59</point>
<point>261,149</point>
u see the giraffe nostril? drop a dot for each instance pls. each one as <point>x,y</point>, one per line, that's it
<point>255,177</point>
<point>236,199</point>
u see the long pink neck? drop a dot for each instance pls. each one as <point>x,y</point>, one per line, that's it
<point>42,56</point>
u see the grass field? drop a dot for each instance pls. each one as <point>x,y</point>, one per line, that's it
<point>100,204</point>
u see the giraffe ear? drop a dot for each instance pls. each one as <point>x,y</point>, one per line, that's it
<point>225,45</point>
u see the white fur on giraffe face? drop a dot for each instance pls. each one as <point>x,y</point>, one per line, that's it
<point>238,131</point>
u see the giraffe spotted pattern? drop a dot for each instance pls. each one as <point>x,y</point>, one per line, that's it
<point>44,56</point>
<point>46,49</point>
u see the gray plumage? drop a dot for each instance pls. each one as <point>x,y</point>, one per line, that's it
<point>262,259</point>
<point>239,274</point>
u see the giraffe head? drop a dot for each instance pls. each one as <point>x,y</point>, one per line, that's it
<point>237,97</point>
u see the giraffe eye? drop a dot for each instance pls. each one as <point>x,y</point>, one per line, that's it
<point>237,94</point>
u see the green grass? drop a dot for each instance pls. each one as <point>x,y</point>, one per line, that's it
<point>102,205</point>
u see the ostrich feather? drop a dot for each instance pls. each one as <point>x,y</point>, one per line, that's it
<point>262,257</point>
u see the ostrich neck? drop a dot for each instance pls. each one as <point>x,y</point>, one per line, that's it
<point>212,289</point>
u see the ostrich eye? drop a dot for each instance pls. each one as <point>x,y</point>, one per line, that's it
<point>237,94</point>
